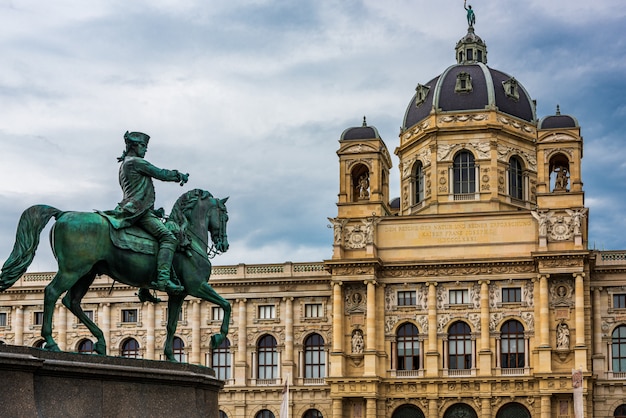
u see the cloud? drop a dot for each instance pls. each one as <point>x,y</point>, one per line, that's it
<point>250,97</point>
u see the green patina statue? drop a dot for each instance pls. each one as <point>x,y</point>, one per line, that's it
<point>471,17</point>
<point>130,244</point>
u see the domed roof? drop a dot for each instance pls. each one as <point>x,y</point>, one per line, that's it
<point>558,121</point>
<point>360,132</point>
<point>470,85</point>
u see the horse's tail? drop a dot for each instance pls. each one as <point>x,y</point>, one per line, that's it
<point>32,222</point>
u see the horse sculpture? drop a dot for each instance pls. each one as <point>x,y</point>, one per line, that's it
<point>82,245</point>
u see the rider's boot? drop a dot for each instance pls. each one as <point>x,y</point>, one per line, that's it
<point>164,264</point>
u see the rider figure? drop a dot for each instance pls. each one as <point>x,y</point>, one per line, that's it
<point>137,205</point>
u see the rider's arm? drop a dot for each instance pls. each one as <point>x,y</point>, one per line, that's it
<point>144,167</point>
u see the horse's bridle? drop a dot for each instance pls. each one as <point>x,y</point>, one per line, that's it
<point>213,251</point>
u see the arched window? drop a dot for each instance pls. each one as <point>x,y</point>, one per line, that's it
<point>408,411</point>
<point>514,410</point>
<point>459,346</point>
<point>264,413</point>
<point>512,349</point>
<point>85,347</point>
<point>220,360</point>
<point>130,348</point>
<point>408,350</point>
<point>620,412</point>
<point>516,187</point>
<point>619,349</point>
<point>314,357</point>
<point>418,183</point>
<point>268,358</point>
<point>460,410</point>
<point>179,350</point>
<point>223,414</point>
<point>464,173</point>
<point>312,413</point>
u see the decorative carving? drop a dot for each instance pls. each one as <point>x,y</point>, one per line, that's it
<point>460,270</point>
<point>562,336</point>
<point>505,153</point>
<point>462,118</point>
<point>561,292</point>
<point>390,322</point>
<point>446,151</point>
<point>515,124</point>
<point>357,341</point>
<point>494,320</point>
<point>355,299</point>
<point>337,225</point>
<point>358,236</point>
<point>422,321</point>
<point>474,319</point>
<point>442,321</point>
<point>529,318</point>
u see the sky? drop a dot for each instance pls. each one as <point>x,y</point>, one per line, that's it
<point>250,97</point>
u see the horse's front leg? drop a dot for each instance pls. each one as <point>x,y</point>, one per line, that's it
<point>206,292</point>
<point>174,304</point>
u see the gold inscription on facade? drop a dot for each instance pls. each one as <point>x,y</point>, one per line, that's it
<point>459,232</point>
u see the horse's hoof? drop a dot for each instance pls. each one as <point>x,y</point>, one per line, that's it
<point>52,347</point>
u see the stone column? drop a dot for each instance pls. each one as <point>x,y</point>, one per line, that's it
<point>597,321</point>
<point>580,309</point>
<point>337,353</point>
<point>545,406</point>
<point>581,343</point>
<point>195,332</point>
<point>61,327</point>
<point>485,407</point>
<point>337,408</point>
<point>18,324</point>
<point>544,311</point>
<point>433,410</point>
<point>105,325</point>
<point>485,349</point>
<point>370,408</point>
<point>150,343</point>
<point>543,330</point>
<point>432,355</point>
<point>288,363</point>
<point>370,340</point>
<point>241,366</point>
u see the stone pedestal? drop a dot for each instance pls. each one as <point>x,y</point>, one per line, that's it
<point>37,383</point>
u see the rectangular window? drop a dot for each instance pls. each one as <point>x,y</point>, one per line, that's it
<point>406,298</point>
<point>217,313</point>
<point>89,315</point>
<point>511,294</point>
<point>267,312</point>
<point>38,318</point>
<point>313,310</point>
<point>3,319</point>
<point>619,301</point>
<point>459,297</point>
<point>129,315</point>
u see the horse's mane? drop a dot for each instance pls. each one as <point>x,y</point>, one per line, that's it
<point>178,220</point>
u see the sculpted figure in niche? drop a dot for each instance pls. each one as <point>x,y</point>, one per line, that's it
<point>562,336</point>
<point>357,342</point>
<point>363,187</point>
<point>560,184</point>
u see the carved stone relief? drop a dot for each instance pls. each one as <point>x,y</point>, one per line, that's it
<point>355,300</point>
<point>561,293</point>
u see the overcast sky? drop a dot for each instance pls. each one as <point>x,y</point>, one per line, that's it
<point>251,97</point>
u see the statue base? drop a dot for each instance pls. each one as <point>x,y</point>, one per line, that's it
<point>47,384</point>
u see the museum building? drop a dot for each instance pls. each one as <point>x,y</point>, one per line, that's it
<point>473,294</point>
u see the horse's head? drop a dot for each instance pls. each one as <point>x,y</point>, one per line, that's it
<point>217,217</point>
